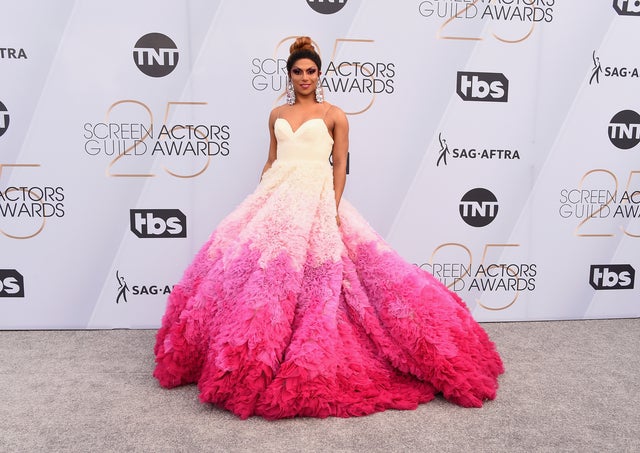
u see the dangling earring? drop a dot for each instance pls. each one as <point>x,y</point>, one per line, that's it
<point>291,94</point>
<point>319,91</point>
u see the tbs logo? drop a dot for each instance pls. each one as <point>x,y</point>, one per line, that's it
<point>158,223</point>
<point>612,276</point>
<point>482,86</point>
<point>627,7</point>
<point>11,283</point>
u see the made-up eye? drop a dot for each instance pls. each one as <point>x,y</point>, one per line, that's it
<point>299,71</point>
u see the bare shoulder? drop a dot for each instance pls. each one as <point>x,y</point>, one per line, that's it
<point>337,116</point>
<point>275,114</point>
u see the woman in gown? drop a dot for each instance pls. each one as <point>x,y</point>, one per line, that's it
<point>295,306</point>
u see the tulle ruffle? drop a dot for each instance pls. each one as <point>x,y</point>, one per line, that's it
<point>284,314</point>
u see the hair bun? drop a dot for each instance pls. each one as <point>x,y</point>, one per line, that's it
<point>302,43</point>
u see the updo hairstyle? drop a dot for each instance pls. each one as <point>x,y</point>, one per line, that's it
<point>303,48</point>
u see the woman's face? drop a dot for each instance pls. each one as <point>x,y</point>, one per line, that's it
<point>304,75</point>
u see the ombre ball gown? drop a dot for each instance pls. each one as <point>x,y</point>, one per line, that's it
<point>282,313</point>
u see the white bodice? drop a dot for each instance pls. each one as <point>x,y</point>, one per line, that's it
<point>310,142</point>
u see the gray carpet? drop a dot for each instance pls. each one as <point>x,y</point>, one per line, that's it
<point>569,386</point>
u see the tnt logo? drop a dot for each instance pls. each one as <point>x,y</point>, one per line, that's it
<point>156,55</point>
<point>482,86</point>
<point>624,129</point>
<point>326,6</point>
<point>612,276</point>
<point>627,7</point>
<point>11,283</point>
<point>158,223</point>
<point>4,119</point>
<point>478,207</point>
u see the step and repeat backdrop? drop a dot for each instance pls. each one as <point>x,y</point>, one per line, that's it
<point>495,144</point>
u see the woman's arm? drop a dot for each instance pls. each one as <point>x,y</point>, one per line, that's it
<point>273,144</point>
<point>339,153</point>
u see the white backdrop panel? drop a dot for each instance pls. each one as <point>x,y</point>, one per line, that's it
<point>114,169</point>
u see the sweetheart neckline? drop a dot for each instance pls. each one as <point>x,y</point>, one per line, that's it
<point>302,124</point>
